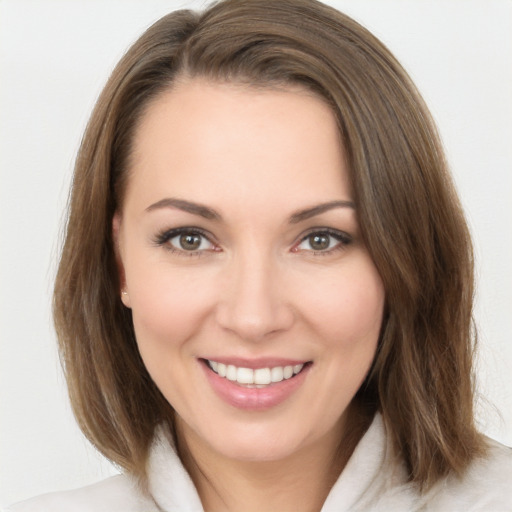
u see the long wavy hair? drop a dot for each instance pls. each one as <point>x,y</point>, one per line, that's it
<point>409,214</point>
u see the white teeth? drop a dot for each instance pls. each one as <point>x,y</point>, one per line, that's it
<point>262,376</point>
<point>255,378</point>
<point>276,374</point>
<point>231,372</point>
<point>245,376</point>
<point>221,369</point>
<point>287,372</point>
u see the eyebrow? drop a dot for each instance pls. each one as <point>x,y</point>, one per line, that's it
<point>302,215</point>
<point>210,214</point>
<point>186,206</point>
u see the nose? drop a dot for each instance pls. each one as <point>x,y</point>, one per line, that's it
<point>253,303</point>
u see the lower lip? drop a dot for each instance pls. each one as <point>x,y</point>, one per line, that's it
<point>254,399</point>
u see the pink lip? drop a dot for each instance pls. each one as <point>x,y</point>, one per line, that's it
<point>254,399</point>
<point>261,362</point>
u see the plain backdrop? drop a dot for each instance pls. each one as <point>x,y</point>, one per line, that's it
<point>54,58</point>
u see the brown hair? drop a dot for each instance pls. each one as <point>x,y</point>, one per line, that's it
<point>409,215</point>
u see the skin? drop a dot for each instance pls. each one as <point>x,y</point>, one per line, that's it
<point>255,287</point>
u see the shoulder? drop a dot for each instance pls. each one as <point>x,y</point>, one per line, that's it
<point>487,484</point>
<point>115,493</point>
<point>376,479</point>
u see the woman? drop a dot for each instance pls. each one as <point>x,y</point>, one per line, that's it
<point>264,298</point>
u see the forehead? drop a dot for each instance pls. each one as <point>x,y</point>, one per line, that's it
<point>214,142</point>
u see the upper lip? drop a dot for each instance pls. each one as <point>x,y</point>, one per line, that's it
<point>260,362</point>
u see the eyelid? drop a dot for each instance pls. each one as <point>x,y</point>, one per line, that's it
<point>163,237</point>
<point>342,236</point>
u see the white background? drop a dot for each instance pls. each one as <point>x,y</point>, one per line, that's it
<point>54,58</point>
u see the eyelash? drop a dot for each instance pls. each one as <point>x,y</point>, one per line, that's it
<point>341,237</point>
<point>163,239</point>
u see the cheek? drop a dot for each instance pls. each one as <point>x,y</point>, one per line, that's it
<point>167,303</point>
<point>347,307</point>
<point>168,308</point>
<point>360,311</point>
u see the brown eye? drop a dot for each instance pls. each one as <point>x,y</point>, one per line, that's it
<point>319,242</point>
<point>185,241</point>
<point>324,241</point>
<point>190,242</point>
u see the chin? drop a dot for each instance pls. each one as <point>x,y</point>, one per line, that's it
<point>257,444</point>
<point>252,452</point>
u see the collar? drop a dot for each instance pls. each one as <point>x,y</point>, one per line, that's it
<point>169,483</point>
<point>367,474</point>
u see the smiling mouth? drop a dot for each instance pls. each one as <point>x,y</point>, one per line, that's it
<point>255,378</point>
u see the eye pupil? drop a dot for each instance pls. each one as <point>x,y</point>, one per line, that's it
<point>319,242</point>
<point>190,241</point>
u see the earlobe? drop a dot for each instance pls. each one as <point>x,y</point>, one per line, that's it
<point>116,237</point>
<point>125,299</point>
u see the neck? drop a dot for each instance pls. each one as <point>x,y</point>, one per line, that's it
<point>300,482</point>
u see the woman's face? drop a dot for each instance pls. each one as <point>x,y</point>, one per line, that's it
<point>256,306</point>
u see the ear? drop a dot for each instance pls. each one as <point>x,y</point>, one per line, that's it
<point>116,236</point>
